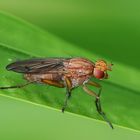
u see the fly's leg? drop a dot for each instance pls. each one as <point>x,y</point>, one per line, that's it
<point>97,101</point>
<point>98,106</point>
<point>60,85</point>
<point>16,86</point>
<point>53,83</point>
<point>88,91</point>
<point>68,93</point>
<point>99,109</point>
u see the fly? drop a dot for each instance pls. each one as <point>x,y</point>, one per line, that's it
<point>66,73</point>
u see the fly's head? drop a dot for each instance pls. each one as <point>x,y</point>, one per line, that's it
<point>101,68</point>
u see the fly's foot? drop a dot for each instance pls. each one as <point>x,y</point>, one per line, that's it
<point>63,109</point>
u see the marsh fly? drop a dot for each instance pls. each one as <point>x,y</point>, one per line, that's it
<point>66,73</point>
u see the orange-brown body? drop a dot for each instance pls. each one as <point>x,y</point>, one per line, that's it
<point>77,70</point>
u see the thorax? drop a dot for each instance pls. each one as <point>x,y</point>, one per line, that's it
<point>78,70</point>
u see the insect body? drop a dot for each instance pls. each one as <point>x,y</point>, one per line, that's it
<point>64,73</point>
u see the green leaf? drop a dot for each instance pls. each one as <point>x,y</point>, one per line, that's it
<point>25,120</point>
<point>120,99</point>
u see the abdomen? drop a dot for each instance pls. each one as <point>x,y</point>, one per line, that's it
<point>39,77</point>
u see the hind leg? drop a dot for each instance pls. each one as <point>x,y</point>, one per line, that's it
<point>53,83</point>
<point>16,86</point>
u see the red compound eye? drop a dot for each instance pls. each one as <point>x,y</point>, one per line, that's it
<point>98,73</point>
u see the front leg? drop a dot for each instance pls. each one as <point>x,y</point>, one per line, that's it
<point>95,85</point>
<point>97,101</point>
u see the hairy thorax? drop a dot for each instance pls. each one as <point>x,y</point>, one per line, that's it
<point>79,70</point>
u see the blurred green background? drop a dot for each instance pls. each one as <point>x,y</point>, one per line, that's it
<point>108,28</point>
